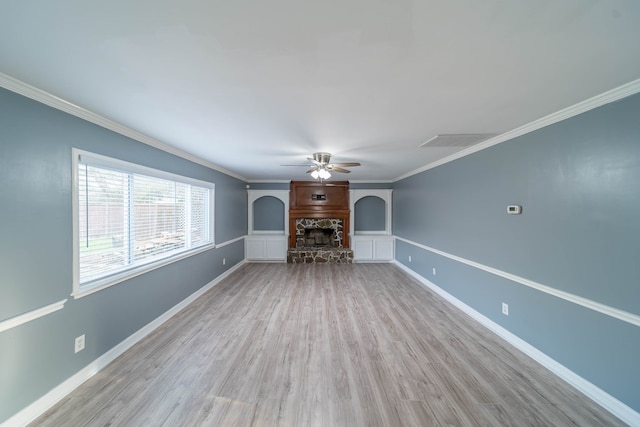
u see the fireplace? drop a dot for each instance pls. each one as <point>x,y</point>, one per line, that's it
<point>319,223</point>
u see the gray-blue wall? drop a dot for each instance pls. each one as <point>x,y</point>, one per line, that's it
<point>578,182</point>
<point>269,185</point>
<point>36,250</point>
<point>370,185</point>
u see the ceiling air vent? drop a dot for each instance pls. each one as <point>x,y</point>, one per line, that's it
<point>457,139</point>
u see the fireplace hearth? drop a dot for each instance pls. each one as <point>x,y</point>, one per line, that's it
<point>319,255</point>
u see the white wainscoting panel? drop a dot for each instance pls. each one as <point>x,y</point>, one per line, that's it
<point>372,247</point>
<point>266,247</point>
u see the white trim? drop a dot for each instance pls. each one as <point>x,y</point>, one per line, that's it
<point>373,261</point>
<point>46,98</point>
<point>268,181</point>
<point>266,261</point>
<point>602,398</point>
<point>616,313</point>
<point>373,247</point>
<point>78,156</point>
<point>94,159</point>
<point>371,233</point>
<point>268,232</point>
<point>21,319</point>
<point>229,242</point>
<point>85,290</point>
<point>37,408</point>
<point>370,181</point>
<point>266,247</point>
<point>288,181</point>
<point>613,95</point>
<point>19,87</point>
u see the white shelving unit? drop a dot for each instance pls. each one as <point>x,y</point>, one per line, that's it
<point>267,246</point>
<point>372,246</point>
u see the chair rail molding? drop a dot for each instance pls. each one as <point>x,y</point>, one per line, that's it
<point>21,319</point>
<point>616,313</point>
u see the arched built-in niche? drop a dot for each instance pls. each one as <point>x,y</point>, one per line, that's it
<point>268,215</point>
<point>369,215</point>
<point>384,195</point>
<point>254,195</point>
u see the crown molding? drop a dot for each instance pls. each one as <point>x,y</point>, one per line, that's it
<point>24,89</point>
<point>371,181</point>
<point>46,98</point>
<point>608,97</point>
<point>269,181</point>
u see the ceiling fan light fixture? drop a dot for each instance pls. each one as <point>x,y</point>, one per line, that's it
<point>324,174</point>
<point>321,167</point>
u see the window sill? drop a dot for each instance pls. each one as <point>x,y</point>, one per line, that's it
<point>100,284</point>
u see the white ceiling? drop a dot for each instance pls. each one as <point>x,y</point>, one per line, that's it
<point>252,85</point>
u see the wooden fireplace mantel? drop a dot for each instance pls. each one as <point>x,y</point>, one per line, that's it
<point>308,199</point>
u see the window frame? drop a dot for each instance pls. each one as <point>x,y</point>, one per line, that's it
<point>110,279</point>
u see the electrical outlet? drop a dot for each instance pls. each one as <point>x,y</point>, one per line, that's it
<point>79,344</point>
<point>505,308</point>
<point>409,258</point>
<point>434,271</point>
<point>224,261</point>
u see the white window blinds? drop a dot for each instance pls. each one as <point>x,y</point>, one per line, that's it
<point>126,219</point>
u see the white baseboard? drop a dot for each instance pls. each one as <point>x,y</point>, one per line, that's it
<point>602,398</point>
<point>40,406</point>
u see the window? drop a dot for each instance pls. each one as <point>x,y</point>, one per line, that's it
<point>129,219</point>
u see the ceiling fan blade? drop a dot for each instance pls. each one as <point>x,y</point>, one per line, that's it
<point>333,168</point>
<point>321,161</point>
<point>348,165</point>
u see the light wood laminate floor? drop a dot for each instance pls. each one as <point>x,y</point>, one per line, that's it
<point>323,345</point>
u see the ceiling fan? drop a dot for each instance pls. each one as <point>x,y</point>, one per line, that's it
<point>321,168</point>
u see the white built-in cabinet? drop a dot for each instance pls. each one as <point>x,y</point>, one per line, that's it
<point>266,247</point>
<point>271,245</point>
<point>372,246</point>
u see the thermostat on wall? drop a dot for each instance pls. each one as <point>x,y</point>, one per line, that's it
<point>514,209</point>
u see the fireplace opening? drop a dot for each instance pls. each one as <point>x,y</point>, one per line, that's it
<point>325,233</point>
<point>318,237</point>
